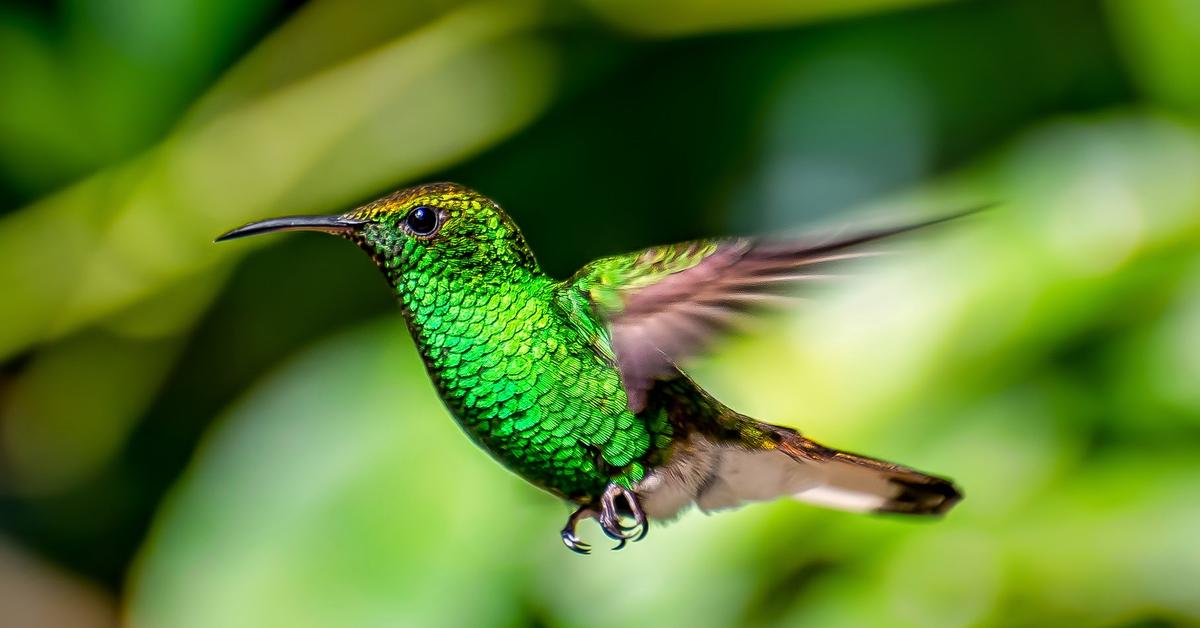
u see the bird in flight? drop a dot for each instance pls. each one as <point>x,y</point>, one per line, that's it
<point>575,385</point>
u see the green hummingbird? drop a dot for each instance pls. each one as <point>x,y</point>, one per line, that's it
<point>575,386</point>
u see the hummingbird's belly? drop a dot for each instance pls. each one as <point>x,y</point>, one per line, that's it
<point>541,401</point>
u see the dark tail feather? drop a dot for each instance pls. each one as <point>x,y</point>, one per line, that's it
<point>854,482</point>
<point>717,476</point>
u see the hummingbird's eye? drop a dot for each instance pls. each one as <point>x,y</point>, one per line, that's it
<point>422,220</point>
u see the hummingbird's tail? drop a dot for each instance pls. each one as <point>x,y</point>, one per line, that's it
<point>717,476</point>
<point>849,481</point>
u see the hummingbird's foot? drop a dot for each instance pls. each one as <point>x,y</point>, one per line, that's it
<point>615,502</point>
<point>569,538</point>
<point>610,516</point>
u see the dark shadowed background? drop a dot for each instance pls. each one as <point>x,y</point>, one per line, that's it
<point>242,435</point>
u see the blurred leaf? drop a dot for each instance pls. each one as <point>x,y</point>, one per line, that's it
<point>313,40</point>
<point>72,408</point>
<point>355,502</point>
<point>106,78</point>
<point>1156,36</point>
<point>39,139</point>
<point>162,210</point>
<point>687,17</point>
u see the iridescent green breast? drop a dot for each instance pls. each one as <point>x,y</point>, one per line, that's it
<point>527,384</point>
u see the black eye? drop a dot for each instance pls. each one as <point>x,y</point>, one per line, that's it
<point>422,220</point>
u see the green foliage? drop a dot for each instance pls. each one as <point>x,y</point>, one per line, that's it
<point>260,408</point>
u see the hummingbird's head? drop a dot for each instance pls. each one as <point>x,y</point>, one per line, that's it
<point>437,228</point>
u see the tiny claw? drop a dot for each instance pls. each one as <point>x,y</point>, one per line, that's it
<point>639,516</point>
<point>611,527</point>
<point>569,538</point>
<point>574,544</point>
<point>614,534</point>
<point>629,528</point>
<point>610,516</point>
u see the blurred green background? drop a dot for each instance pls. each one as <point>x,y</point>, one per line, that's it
<point>242,435</point>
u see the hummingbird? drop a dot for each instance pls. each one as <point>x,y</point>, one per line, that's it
<point>575,385</point>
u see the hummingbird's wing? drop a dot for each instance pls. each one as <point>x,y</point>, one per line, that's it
<point>665,303</point>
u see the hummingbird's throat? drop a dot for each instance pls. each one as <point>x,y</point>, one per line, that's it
<point>451,312</point>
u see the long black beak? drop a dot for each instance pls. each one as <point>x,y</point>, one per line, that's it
<point>328,224</point>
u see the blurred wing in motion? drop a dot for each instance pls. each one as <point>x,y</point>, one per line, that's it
<point>665,303</point>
